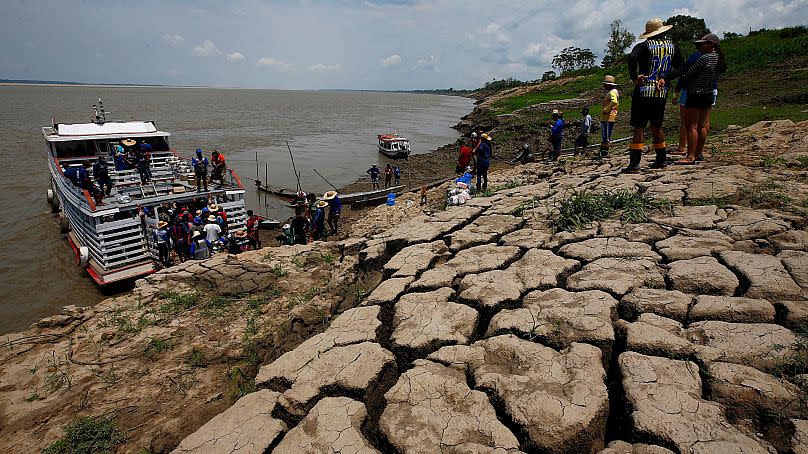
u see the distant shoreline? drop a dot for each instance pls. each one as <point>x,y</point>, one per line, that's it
<point>45,83</point>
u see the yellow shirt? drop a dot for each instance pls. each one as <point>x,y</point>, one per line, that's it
<point>610,104</point>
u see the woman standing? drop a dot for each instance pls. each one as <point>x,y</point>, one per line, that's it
<point>484,154</point>
<point>388,176</point>
<point>701,80</point>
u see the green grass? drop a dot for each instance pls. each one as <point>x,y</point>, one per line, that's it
<point>278,271</point>
<point>195,359</point>
<point>584,207</point>
<point>176,302</point>
<point>765,48</point>
<point>87,435</point>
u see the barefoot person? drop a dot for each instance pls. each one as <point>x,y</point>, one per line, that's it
<point>701,79</point>
<point>652,65</point>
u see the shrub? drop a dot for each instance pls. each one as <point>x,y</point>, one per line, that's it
<point>87,435</point>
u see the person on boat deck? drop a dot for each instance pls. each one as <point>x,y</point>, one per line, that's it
<point>74,175</point>
<point>200,247</point>
<point>253,221</point>
<point>484,154</point>
<point>101,175</point>
<point>163,242</point>
<point>219,166</point>
<point>200,165</point>
<point>318,231</point>
<point>388,176</point>
<point>212,229</point>
<point>145,155</point>
<point>374,171</point>
<point>334,209</point>
<point>300,226</point>
<point>397,174</point>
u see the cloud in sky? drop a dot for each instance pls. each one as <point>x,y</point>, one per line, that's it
<point>235,56</point>
<point>206,49</point>
<point>320,67</point>
<point>277,65</point>
<point>392,60</point>
<point>363,44</point>
<point>173,39</point>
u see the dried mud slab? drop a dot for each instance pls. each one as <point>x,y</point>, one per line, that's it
<point>414,259</point>
<point>664,397</point>
<point>732,309</point>
<point>427,321</point>
<point>796,262</point>
<point>671,304</point>
<point>388,290</point>
<point>689,244</point>
<point>486,229</point>
<point>432,410</point>
<point>245,428</point>
<point>333,425</point>
<point>558,318</point>
<point>526,238</point>
<point>483,258</point>
<point>658,336</point>
<point>749,225</point>
<point>621,447</point>
<point>643,232</point>
<point>557,398</point>
<point>748,393</point>
<point>692,217</point>
<point>616,276</point>
<point>596,248</point>
<point>766,275</point>
<point>702,275</point>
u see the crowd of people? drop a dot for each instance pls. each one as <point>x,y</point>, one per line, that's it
<point>311,217</point>
<point>653,65</point>
<point>197,230</point>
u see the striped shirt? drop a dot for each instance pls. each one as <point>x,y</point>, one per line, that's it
<point>702,76</point>
<point>656,59</point>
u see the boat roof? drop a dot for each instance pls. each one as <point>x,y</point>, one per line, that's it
<point>62,132</point>
<point>392,137</point>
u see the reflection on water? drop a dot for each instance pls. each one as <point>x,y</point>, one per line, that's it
<point>334,132</point>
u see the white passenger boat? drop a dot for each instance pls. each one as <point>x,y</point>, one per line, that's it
<point>394,146</point>
<point>113,240</point>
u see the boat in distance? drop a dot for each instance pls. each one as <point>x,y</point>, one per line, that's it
<point>112,235</point>
<point>393,145</point>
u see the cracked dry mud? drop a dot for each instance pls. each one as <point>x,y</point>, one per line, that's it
<point>486,332</point>
<point>500,336</point>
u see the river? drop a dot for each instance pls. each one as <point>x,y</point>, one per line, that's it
<point>331,131</point>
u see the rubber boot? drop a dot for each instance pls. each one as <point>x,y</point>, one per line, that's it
<point>634,157</point>
<point>662,156</point>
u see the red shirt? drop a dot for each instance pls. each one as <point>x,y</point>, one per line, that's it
<point>465,157</point>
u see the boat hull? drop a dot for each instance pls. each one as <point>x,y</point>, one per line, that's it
<point>394,154</point>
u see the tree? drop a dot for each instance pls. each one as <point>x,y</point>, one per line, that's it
<point>573,58</point>
<point>686,29</point>
<point>548,75</point>
<point>619,40</point>
<point>731,35</point>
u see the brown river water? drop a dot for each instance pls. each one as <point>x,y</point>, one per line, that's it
<point>333,132</point>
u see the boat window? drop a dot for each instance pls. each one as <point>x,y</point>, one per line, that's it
<point>74,148</point>
<point>157,143</point>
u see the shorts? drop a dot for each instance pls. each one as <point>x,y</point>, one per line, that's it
<point>647,110</point>
<point>582,141</point>
<point>700,101</point>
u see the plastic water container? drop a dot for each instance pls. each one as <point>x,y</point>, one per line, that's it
<point>391,199</point>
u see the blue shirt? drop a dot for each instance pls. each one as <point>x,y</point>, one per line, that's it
<point>201,162</point>
<point>484,154</point>
<point>374,172</point>
<point>334,206</point>
<point>557,130</point>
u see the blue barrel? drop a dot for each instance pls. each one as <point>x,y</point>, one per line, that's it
<point>391,199</point>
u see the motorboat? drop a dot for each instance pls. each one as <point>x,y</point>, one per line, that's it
<point>394,146</point>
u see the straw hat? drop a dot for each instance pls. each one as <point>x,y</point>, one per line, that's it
<point>213,207</point>
<point>555,112</point>
<point>196,233</point>
<point>709,38</point>
<point>329,195</point>
<point>609,80</point>
<point>655,27</point>
<point>161,224</point>
<point>240,234</point>
<point>128,142</point>
<point>212,218</point>
<point>485,136</point>
<point>199,212</point>
<point>322,204</point>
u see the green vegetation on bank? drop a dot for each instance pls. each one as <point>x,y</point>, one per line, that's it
<point>766,79</point>
<point>87,435</point>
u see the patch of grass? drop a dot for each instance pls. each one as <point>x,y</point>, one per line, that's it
<point>195,359</point>
<point>33,396</point>
<point>278,271</point>
<point>240,384</point>
<point>768,194</point>
<point>88,435</point>
<point>124,324</point>
<point>297,262</point>
<point>720,202</point>
<point>772,161</point>
<point>157,346</point>
<point>217,306</point>
<point>177,302</point>
<point>328,258</point>
<point>57,377</point>
<point>584,207</point>
<point>802,161</point>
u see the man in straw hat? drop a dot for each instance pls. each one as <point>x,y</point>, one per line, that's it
<point>163,242</point>
<point>608,114</point>
<point>652,64</point>
<point>318,222</point>
<point>334,209</point>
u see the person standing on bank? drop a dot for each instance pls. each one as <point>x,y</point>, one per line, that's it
<point>701,78</point>
<point>373,171</point>
<point>556,134</point>
<point>388,176</point>
<point>582,141</point>
<point>484,154</point>
<point>608,115</point>
<point>334,209</point>
<point>652,65</point>
<point>397,174</point>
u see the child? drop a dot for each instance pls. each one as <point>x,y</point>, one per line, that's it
<point>608,115</point>
<point>423,195</point>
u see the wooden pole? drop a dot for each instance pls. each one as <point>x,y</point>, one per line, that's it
<point>294,169</point>
<point>329,183</point>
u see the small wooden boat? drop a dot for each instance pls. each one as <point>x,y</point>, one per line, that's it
<point>269,224</point>
<point>366,196</point>
<point>393,145</point>
<point>281,193</point>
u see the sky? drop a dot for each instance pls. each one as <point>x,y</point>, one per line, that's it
<point>331,44</point>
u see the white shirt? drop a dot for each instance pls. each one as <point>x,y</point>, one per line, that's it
<point>212,232</point>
